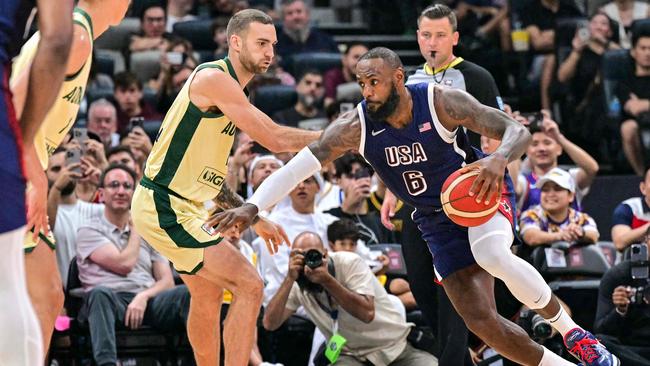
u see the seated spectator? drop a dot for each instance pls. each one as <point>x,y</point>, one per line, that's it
<point>553,219</point>
<point>343,236</point>
<point>122,155</point>
<point>621,325</point>
<point>347,72</point>
<point>311,92</point>
<point>152,35</point>
<point>539,20</point>
<point>102,121</point>
<point>624,12</point>
<point>631,217</point>
<point>371,326</point>
<point>65,211</point>
<point>297,36</point>
<point>546,146</point>
<point>298,217</point>
<point>176,66</point>
<point>220,37</point>
<point>178,11</point>
<point>355,175</point>
<point>581,73</point>
<point>634,94</point>
<point>130,101</point>
<point>127,283</point>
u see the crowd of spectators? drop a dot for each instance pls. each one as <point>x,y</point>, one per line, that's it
<point>556,85</point>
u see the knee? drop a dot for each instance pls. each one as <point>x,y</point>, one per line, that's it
<point>629,129</point>
<point>251,288</point>
<point>100,295</point>
<point>492,261</point>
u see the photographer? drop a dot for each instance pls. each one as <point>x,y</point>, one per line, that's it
<point>623,313</point>
<point>347,304</point>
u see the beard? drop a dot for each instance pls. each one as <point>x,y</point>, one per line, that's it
<point>249,64</point>
<point>387,108</point>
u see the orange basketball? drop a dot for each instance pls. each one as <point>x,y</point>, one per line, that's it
<point>459,206</point>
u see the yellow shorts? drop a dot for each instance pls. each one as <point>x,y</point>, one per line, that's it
<point>29,244</point>
<point>172,225</point>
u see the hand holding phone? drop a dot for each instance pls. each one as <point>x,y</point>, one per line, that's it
<point>73,156</point>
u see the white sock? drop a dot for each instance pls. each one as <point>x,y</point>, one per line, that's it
<point>551,359</point>
<point>562,322</point>
<point>20,339</point>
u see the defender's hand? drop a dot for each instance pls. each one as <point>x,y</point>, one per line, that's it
<point>272,233</point>
<point>388,210</point>
<point>490,179</point>
<point>37,207</point>
<point>242,216</point>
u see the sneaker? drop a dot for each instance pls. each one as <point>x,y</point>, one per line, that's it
<point>586,348</point>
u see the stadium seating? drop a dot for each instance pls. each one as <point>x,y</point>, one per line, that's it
<point>321,61</point>
<point>197,32</point>
<point>617,65</point>
<point>273,98</point>
<point>145,65</point>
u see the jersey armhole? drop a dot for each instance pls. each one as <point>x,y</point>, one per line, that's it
<point>204,66</point>
<point>362,121</point>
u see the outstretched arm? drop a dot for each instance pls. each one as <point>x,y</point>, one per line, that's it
<point>232,101</point>
<point>342,135</point>
<point>457,108</point>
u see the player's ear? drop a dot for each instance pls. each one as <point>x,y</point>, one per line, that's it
<point>235,42</point>
<point>399,74</point>
<point>455,36</point>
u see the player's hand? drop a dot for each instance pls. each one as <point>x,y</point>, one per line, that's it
<point>37,206</point>
<point>296,263</point>
<point>388,209</point>
<point>135,312</point>
<point>488,183</point>
<point>243,154</point>
<point>242,216</point>
<point>621,298</point>
<point>272,233</point>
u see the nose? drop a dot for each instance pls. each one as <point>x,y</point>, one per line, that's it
<point>367,91</point>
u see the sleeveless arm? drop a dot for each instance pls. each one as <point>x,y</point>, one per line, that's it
<point>230,99</point>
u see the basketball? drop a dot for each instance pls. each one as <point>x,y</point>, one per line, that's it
<point>462,208</point>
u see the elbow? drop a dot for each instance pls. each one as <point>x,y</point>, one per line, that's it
<point>268,324</point>
<point>369,316</point>
<point>619,244</point>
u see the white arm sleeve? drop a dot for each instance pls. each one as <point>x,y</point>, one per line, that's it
<point>284,180</point>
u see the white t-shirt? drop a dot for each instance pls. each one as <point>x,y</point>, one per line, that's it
<point>69,217</point>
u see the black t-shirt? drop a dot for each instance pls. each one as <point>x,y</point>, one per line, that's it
<point>639,85</point>
<point>544,18</point>
<point>290,117</point>
<point>632,329</point>
<point>369,224</point>
<point>586,69</point>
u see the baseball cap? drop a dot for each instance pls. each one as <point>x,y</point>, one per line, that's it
<point>560,177</point>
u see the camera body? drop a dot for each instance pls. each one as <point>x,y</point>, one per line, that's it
<point>640,295</point>
<point>535,120</point>
<point>537,327</point>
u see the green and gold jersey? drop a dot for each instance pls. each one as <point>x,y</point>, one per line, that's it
<point>191,151</point>
<point>63,113</point>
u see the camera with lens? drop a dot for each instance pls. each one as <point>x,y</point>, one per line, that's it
<point>313,258</point>
<point>537,327</point>
<point>535,121</point>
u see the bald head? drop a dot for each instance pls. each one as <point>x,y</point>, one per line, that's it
<point>308,240</point>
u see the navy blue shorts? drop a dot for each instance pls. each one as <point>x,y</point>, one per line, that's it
<point>449,243</point>
<point>12,180</point>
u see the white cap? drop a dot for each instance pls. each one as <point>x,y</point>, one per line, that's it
<point>259,158</point>
<point>560,177</point>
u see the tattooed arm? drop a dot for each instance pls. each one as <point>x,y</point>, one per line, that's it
<point>457,108</point>
<point>342,135</point>
<point>227,198</point>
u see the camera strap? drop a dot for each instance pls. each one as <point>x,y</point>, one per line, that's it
<point>332,309</point>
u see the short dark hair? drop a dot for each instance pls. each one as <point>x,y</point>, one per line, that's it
<point>152,4</point>
<point>116,167</point>
<point>643,32</point>
<point>120,149</point>
<point>343,165</point>
<point>343,229</point>
<point>126,79</point>
<point>388,55</point>
<point>59,149</point>
<point>439,11</point>
<point>310,72</point>
<point>240,21</point>
<point>353,44</point>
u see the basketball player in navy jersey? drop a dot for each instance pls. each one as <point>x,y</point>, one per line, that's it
<point>20,336</point>
<point>411,136</point>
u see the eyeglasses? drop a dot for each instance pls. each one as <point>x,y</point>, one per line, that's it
<point>116,185</point>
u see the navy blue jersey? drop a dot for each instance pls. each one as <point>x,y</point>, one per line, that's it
<point>13,15</point>
<point>414,161</point>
